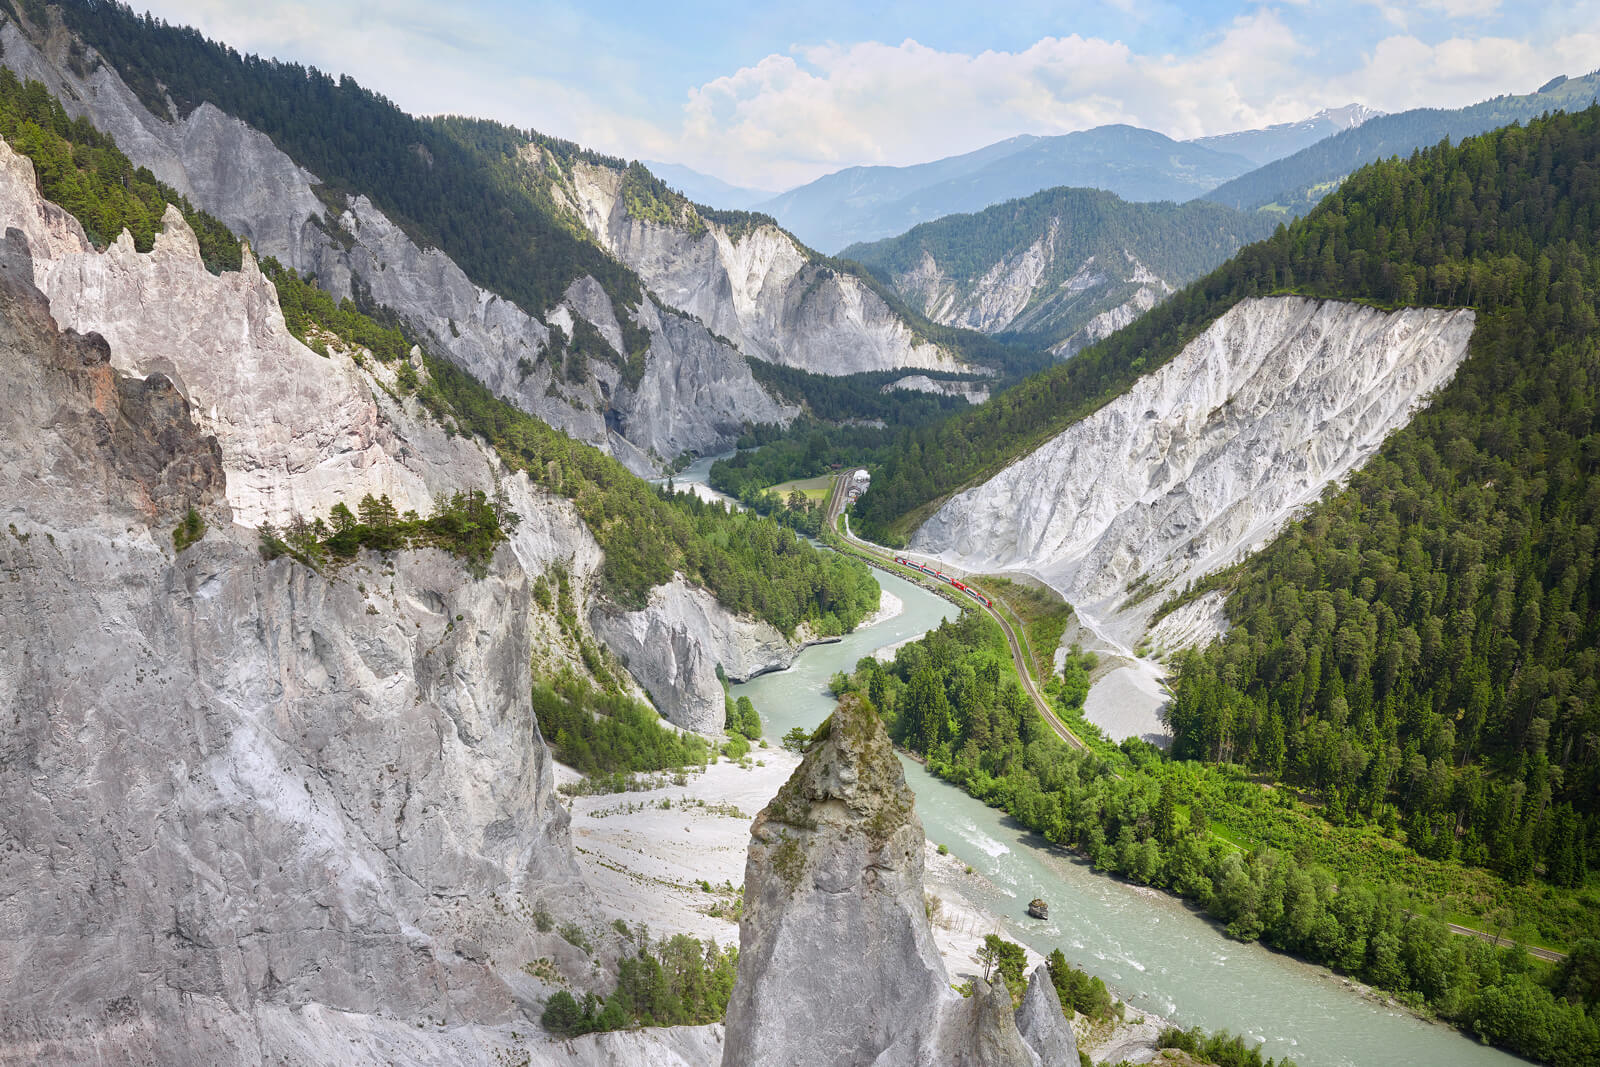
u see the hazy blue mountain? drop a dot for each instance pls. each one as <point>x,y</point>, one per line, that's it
<point>814,211</point>
<point>869,203</point>
<point>707,189</point>
<point>1294,184</point>
<point>1286,138</point>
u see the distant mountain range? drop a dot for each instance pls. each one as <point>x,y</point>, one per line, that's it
<point>868,203</point>
<point>1286,138</point>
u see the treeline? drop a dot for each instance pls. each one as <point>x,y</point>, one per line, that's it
<point>468,524</point>
<point>1425,642</point>
<point>751,563</point>
<point>1419,231</point>
<point>609,737</point>
<point>82,170</point>
<point>308,310</point>
<point>855,398</point>
<point>950,698</point>
<point>1221,1048</point>
<point>681,982</point>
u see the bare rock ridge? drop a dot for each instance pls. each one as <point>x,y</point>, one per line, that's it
<point>756,286</point>
<point>695,394</point>
<point>836,864</point>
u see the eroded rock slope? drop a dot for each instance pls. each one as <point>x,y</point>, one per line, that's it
<point>238,174</point>
<point>752,284</point>
<point>1205,459</point>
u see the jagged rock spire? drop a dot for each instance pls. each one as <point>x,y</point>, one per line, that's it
<point>837,963</point>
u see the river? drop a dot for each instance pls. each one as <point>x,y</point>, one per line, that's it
<point>1148,947</point>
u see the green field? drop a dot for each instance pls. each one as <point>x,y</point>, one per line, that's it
<point>814,488</point>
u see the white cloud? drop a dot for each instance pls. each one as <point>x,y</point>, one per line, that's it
<point>790,118</point>
<point>1404,72</point>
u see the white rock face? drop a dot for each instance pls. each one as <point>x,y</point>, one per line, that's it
<point>1204,460</point>
<point>757,288</point>
<point>673,646</point>
<point>837,962</point>
<point>237,174</point>
<point>1025,291</point>
<point>238,796</point>
<point>972,392</point>
<point>994,300</point>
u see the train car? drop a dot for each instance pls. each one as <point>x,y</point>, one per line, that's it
<point>958,585</point>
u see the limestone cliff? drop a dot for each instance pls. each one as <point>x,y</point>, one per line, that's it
<point>238,174</point>
<point>674,644</point>
<point>836,960</point>
<point>234,790</point>
<point>754,284</point>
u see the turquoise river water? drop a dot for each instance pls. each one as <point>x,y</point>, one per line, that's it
<point>1148,947</point>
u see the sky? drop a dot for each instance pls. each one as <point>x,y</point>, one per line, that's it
<point>772,96</point>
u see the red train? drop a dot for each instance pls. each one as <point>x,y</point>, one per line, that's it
<point>943,577</point>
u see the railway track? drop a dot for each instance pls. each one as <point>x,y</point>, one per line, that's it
<point>884,560</point>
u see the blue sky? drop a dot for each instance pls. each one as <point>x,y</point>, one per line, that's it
<point>775,95</point>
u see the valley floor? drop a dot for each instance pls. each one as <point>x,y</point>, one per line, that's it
<point>644,856</point>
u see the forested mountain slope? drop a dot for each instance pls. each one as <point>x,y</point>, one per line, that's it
<point>1063,267</point>
<point>1294,185</point>
<point>1430,634</point>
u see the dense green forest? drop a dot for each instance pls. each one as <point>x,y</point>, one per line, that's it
<point>1510,238</point>
<point>1293,185</point>
<point>676,982</point>
<point>608,737</point>
<point>952,697</point>
<point>1426,640</point>
<point>857,398</point>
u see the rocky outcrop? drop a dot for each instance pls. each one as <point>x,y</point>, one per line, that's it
<point>836,960</point>
<point>1043,1025</point>
<point>697,394</point>
<point>754,285</point>
<point>238,794</point>
<point>674,644</point>
<point>1205,459</point>
<point>971,392</point>
<point>238,174</point>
